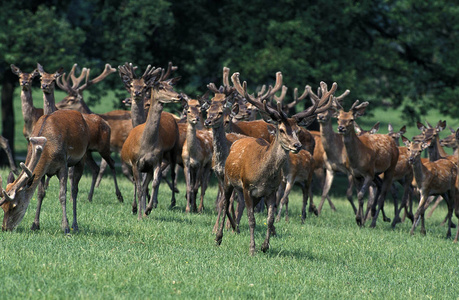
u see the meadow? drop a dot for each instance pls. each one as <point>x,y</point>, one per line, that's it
<point>172,254</point>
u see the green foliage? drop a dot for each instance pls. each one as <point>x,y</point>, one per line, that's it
<point>172,254</point>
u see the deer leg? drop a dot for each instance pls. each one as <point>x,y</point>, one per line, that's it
<point>219,205</point>
<point>63,177</point>
<point>240,207</point>
<point>456,212</point>
<point>77,173</point>
<point>224,208</point>
<point>173,181</point>
<point>284,200</point>
<point>386,184</point>
<point>397,209</point>
<point>94,171</point>
<point>349,192</point>
<point>437,201</point>
<point>111,164</point>
<point>127,171</point>
<point>188,181</point>
<point>270,200</point>
<point>137,183</point>
<point>419,212</point>
<point>449,198</point>
<point>40,196</point>
<point>155,189</point>
<point>329,176</point>
<point>102,167</point>
<point>304,187</point>
<point>204,183</point>
<point>360,218</point>
<point>251,217</point>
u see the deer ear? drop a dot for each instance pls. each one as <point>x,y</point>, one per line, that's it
<point>420,126</point>
<point>234,109</point>
<point>406,141</point>
<point>426,143</point>
<point>59,72</point>
<point>402,130</point>
<point>375,128</point>
<point>15,70</point>
<point>441,125</point>
<point>271,129</point>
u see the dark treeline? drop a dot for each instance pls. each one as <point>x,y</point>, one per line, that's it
<point>398,53</point>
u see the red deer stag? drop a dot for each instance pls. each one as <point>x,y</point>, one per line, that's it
<point>369,155</point>
<point>335,157</point>
<point>119,120</point>
<point>57,142</point>
<point>100,130</point>
<point>196,154</point>
<point>253,165</point>
<point>432,178</point>
<point>150,142</point>
<point>30,113</point>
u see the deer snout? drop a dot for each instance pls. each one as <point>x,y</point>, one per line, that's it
<point>207,123</point>
<point>297,147</point>
<point>411,160</point>
<point>44,86</point>
<point>341,129</point>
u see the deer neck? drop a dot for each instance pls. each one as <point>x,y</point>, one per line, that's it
<point>27,109</point>
<point>441,151</point>
<point>354,147</point>
<point>221,149</point>
<point>328,137</point>
<point>150,136</point>
<point>49,104</point>
<point>137,112</point>
<point>274,159</point>
<point>84,108</point>
<point>191,138</point>
<point>419,170</point>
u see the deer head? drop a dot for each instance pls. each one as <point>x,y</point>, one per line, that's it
<point>286,130</point>
<point>137,87</point>
<point>25,79</point>
<point>323,93</point>
<point>222,106</point>
<point>396,134</point>
<point>450,140</point>
<point>16,198</point>
<point>415,148</point>
<point>48,80</point>
<point>346,119</point>
<point>193,108</point>
<point>163,89</point>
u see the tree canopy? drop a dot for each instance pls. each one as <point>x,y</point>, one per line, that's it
<point>388,52</point>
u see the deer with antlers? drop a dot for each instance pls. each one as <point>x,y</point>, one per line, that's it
<point>253,165</point>
<point>335,156</point>
<point>150,142</point>
<point>99,129</point>
<point>432,178</point>
<point>369,155</point>
<point>119,120</point>
<point>196,154</point>
<point>57,142</point>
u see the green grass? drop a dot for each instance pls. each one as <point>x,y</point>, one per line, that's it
<point>172,254</point>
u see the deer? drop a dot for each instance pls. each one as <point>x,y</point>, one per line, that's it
<point>369,155</point>
<point>100,130</point>
<point>119,120</point>
<point>30,113</point>
<point>450,141</point>
<point>220,108</point>
<point>48,83</point>
<point>253,165</point>
<point>57,142</point>
<point>432,178</point>
<point>6,147</point>
<point>150,142</point>
<point>404,175</point>
<point>335,156</point>
<point>196,154</point>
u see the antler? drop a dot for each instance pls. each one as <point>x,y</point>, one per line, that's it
<point>107,71</point>
<point>170,69</point>
<point>226,88</point>
<point>260,101</point>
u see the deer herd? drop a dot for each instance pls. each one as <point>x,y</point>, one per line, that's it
<point>256,162</point>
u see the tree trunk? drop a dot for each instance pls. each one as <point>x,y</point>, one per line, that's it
<point>7,113</point>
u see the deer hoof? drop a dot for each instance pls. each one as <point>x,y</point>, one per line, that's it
<point>120,198</point>
<point>35,226</point>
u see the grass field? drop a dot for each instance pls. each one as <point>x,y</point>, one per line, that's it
<point>171,254</point>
